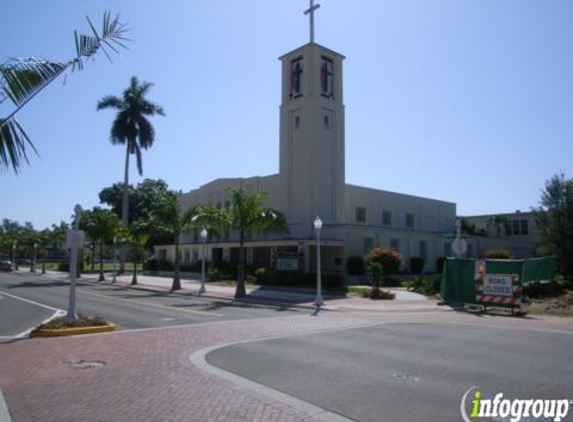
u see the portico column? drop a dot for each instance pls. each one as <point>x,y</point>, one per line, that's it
<point>306,257</point>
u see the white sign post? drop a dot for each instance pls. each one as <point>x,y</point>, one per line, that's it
<point>75,240</point>
<point>459,246</point>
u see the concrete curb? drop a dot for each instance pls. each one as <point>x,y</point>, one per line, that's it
<point>4,413</point>
<point>198,358</point>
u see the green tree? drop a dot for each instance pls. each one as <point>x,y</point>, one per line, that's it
<point>101,225</point>
<point>132,129</point>
<point>172,219</point>
<point>24,78</point>
<point>248,215</point>
<point>554,220</point>
<point>139,233</point>
<point>497,221</point>
<point>143,198</point>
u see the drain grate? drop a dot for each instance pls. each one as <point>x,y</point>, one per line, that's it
<point>84,364</point>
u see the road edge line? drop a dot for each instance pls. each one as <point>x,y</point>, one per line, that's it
<point>4,412</point>
<point>41,305</point>
<point>198,358</point>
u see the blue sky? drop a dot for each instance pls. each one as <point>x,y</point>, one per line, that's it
<point>469,101</point>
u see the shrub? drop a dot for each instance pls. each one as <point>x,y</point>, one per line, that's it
<point>497,254</point>
<point>378,294</point>
<point>331,282</point>
<point>221,270</point>
<point>81,321</point>
<point>151,264</point>
<point>355,265</point>
<point>541,290</point>
<point>388,258</point>
<point>431,285</point>
<point>416,265</point>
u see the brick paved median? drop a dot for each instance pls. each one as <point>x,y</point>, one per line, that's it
<point>147,375</point>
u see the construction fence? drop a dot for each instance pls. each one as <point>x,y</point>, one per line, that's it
<point>492,282</point>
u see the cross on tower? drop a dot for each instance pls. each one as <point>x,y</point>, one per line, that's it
<point>310,11</point>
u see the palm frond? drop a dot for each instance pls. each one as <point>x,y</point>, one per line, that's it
<point>110,101</point>
<point>21,79</point>
<point>13,140</point>
<point>146,132</point>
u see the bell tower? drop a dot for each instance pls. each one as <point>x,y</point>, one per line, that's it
<point>312,132</point>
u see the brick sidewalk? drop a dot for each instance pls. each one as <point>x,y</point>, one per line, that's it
<point>147,374</point>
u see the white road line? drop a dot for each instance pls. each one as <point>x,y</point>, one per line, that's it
<point>41,305</point>
<point>26,333</point>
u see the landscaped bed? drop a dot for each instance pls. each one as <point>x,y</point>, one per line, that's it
<point>62,326</point>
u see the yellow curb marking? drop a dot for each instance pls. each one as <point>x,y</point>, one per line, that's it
<point>141,302</point>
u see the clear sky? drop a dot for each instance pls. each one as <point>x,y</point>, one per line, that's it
<point>468,101</point>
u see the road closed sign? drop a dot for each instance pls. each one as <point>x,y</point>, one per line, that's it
<point>498,284</point>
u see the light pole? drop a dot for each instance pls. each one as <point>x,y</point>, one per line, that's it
<point>114,259</point>
<point>318,301</point>
<point>203,237</point>
<point>33,266</point>
<point>14,246</point>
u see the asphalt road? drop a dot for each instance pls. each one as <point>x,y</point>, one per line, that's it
<point>127,308</point>
<point>408,371</point>
<point>16,314</point>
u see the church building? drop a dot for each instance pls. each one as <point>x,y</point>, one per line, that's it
<point>311,182</point>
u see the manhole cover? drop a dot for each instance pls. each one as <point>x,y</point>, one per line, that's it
<point>84,364</point>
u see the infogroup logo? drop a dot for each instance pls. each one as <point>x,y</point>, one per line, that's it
<point>514,409</point>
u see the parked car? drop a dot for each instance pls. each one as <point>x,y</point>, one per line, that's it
<point>5,266</point>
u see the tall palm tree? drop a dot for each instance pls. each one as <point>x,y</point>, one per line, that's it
<point>132,129</point>
<point>172,219</point>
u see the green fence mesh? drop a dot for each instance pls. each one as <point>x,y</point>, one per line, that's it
<point>461,281</point>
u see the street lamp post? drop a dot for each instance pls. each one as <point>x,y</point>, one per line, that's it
<point>14,246</point>
<point>203,237</point>
<point>33,266</point>
<point>114,259</point>
<point>318,301</point>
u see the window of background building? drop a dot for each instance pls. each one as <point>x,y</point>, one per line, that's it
<point>296,122</point>
<point>326,122</point>
<point>367,244</point>
<point>424,250</point>
<point>448,249</point>
<point>409,219</point>
<point>386,218</point>
<point>524,228</point>
<point>361,215</point>
<point>395,244</point>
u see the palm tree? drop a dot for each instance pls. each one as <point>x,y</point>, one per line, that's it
<point>23,78</point>
<point>497,221</point>
<point>132,129</point>
<point>139,234</point>
<point>100,225</point>
<point>172,219</point>
<point>248,215</point>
